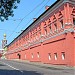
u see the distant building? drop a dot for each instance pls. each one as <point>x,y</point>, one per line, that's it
<point>50,38</point>
<point>4,41</point>
<point>1,52</point>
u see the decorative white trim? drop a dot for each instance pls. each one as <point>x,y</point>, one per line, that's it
<point>42,39</point>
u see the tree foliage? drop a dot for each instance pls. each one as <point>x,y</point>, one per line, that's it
<point>6,8</point>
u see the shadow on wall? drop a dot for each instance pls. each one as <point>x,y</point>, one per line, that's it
<point>17,72</point>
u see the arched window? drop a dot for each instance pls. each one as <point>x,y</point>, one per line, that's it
<point>55,26</point>
<point>61,23</point>
<point>31,34</point>
<point>60,18</point>
<point>36,31</point>
<point>44,23</point>
<point>73,15</point>
<point>50,29</point>
<point>45,31</point>
<point>49,21</point>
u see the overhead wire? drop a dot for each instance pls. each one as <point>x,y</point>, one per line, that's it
<point>36,13</point>
<point>30,19</point>
<point>24,18</point>
<point>8,30</point>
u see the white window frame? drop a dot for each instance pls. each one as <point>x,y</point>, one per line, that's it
<point>32,56</point>
<point>55,56</point>
<point>63,55</point>
<point>38,55</point>
<point>49,56</point>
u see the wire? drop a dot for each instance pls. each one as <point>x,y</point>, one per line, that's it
<point>14,30</point>
<point>8,30</point>
<point>24,18</point>
<point>34,9</point>
<point>15,19</point>
<point>36,13</point>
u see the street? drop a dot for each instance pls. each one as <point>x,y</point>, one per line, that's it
<point>9,67</point>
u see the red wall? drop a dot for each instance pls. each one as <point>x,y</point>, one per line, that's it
<point>59,40</point>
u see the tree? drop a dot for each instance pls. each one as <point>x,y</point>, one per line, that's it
<point>6,8</point>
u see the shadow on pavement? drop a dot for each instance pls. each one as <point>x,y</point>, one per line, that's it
<point>2,64</point>
<point>17,72</point>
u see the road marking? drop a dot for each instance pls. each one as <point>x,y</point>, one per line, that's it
<point>12,67</point>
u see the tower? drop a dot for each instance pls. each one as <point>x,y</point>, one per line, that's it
<point>4,41</point>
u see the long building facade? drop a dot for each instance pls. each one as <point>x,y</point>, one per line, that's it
<point>50,38</point>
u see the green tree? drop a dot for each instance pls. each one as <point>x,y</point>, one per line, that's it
<point>6,8</point>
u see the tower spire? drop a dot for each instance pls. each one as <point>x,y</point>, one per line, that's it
<point>4,41</point>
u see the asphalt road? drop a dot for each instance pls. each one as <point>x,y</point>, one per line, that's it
<point>8,67</point>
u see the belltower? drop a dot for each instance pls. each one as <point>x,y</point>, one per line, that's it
<point>4,41</point>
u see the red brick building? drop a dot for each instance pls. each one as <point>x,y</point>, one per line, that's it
<point>50,38</point>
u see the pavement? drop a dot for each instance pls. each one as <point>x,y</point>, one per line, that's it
<point>42,65</point>
<point>22,67</point>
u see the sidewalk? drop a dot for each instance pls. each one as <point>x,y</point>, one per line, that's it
<point>47,66</point>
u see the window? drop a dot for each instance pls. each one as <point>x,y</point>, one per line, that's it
<point>25,56</point>
<point>39,32</point>
<point>36,37</point>
<point>39,28</point>
<point>55,56</point>
<point>28,36</point>
<point>61,23</point>
<point>36,31</point>
<point>38,54</point>
<point>55,27</point>
<point>50,28</point>
<point>32,55</point>
<point>49,21</point>
<point>63,55</point>
<point>44,23</point>
<point>16,44</point>
<point>49,56</point>
<point>74,21</point>
<point>31,35</point>
<point>45,31</point>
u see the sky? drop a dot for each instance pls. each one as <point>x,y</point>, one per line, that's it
<point>23,17</point>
